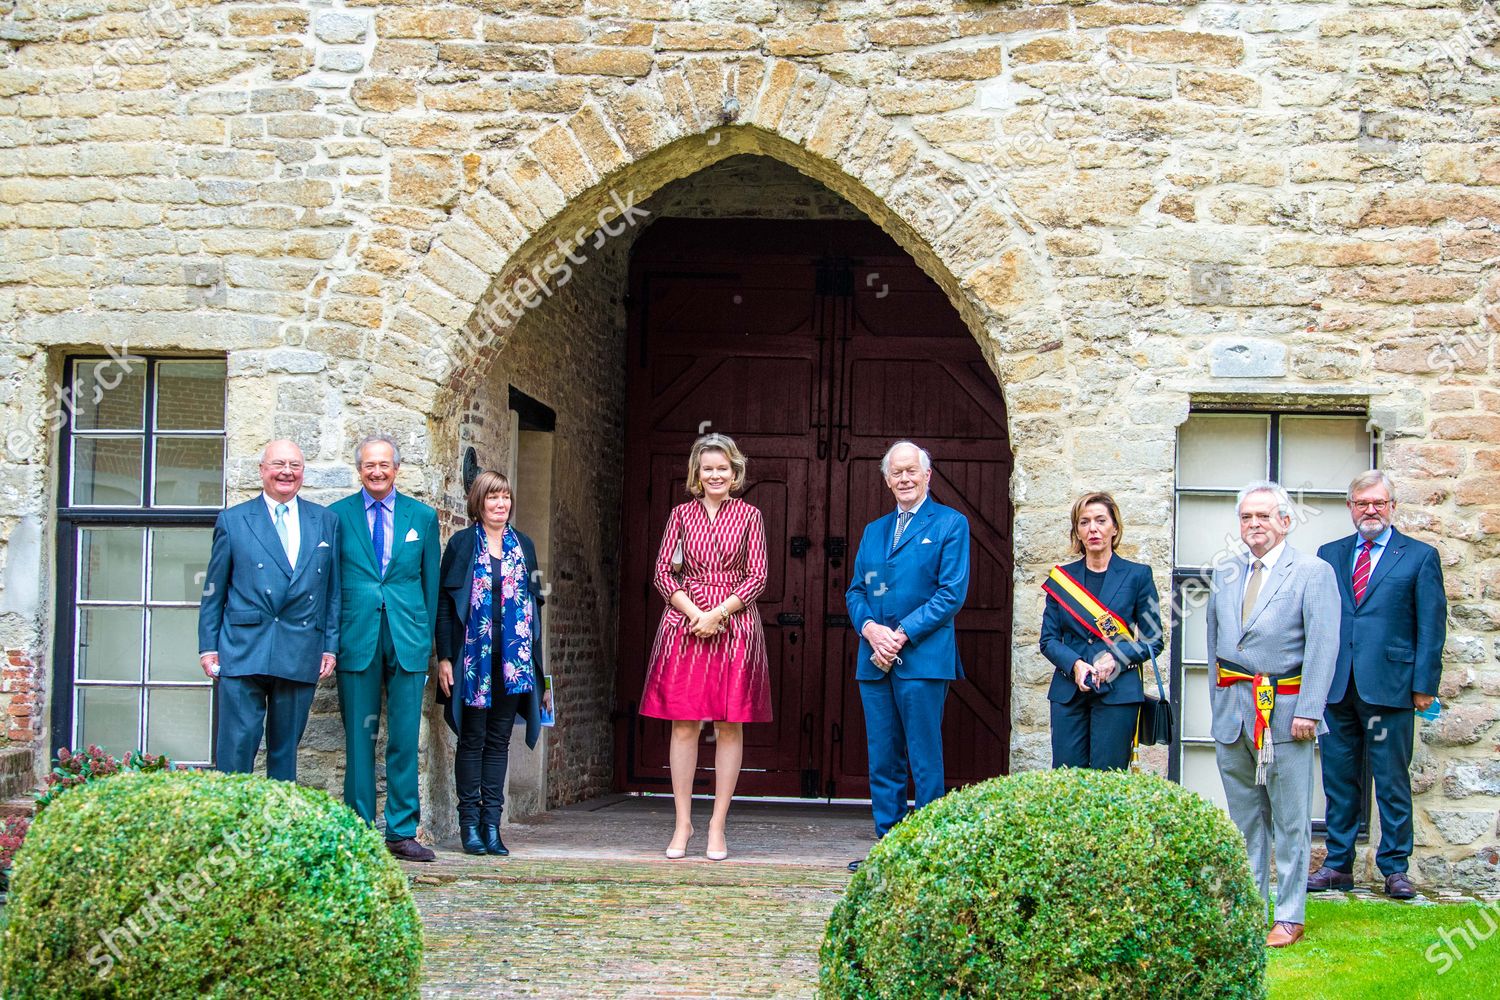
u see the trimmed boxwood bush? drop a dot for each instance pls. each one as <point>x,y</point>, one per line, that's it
<point>1066,883</point>
<point>193,884</point>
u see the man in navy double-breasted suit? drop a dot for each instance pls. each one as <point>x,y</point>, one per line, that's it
<point>1395,620</point>
<point>911,574</point>
<point>268,625</point>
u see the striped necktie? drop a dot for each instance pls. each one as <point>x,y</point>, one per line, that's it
<point>902,520</point>
<point>1362,571</point>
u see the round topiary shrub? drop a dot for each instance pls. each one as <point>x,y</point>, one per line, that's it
<point>1066,883</point>
<point>193,884</point>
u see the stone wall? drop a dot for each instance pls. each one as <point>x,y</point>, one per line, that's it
<point>1181,202</point>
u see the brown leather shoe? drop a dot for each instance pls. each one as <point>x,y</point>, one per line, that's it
<point>1325,879</point>
<point>409,850</point>
<point>1283,933</point>
<point>1398,886</point>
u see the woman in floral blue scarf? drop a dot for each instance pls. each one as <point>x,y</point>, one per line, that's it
<point>489,655</point>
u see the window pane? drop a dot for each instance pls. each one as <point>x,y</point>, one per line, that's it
<point>107,471</point>
<point>189,472</point>
<point>1319,520</point>
<point>1205,527</point>
<point>1218,451</point>
<point>190,395</point>
<point>178,722</point>
<point>109,564</point>
<point>179,559</point>
<point>109,717</point>
<point>1194,604</point>
<point>1200,773</point>
<point>1196,716</point>
<point>174,645</point>
<point>108,395</point>
<point>1323,453</point>
<point>109,644</point>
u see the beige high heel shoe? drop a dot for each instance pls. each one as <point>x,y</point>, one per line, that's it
<point>678,853</point>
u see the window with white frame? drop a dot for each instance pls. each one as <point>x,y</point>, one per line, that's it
<point>1315,456</point>
<point>142,458</point>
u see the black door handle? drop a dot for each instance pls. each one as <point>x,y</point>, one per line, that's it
<point>790,618</point>
<point>835,547</point>
<point>800,544</point>
<point>836,621</point>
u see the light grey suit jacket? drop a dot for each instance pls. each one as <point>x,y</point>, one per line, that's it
<point>1294,624</point>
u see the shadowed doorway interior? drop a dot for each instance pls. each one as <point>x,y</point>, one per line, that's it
<point>815,344</point>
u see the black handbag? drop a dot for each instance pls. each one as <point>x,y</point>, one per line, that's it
<point>1154,725</point>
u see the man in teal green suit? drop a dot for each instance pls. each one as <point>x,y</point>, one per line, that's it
<point>388,558</point>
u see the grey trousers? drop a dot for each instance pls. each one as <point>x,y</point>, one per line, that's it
<point>1279,811</point>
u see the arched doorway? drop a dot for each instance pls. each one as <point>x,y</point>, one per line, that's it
<point>815,344</point>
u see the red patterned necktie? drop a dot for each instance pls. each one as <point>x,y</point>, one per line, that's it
<point>1362,572</point>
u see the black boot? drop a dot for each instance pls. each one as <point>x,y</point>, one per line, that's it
<point>470,837</point>
<point>492,842</point>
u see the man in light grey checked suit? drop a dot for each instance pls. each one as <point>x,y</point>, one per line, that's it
<point>1273,638</point>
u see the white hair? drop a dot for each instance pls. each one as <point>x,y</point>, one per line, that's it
<point>1283,498</point>
<point>922,456</point>
<point>370,439</point>
<point>1365,480</point>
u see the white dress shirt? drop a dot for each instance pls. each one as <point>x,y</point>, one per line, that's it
<point>293,526</point>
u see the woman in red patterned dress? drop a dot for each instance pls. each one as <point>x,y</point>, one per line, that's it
<point>709,660</point>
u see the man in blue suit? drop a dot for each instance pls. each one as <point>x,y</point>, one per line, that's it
<point>911,574</point>
<point>268,625</point>
<point>1390,661</point>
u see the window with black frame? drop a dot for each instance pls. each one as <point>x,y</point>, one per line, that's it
<point>142,469</point>
<point>1315,456</point>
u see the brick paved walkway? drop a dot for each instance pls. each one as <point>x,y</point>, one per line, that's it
<point>585,907</point>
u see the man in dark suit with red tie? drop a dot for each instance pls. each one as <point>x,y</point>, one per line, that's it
<point>1395,617</point>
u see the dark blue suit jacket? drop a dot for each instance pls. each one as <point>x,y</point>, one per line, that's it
<point>920,586</point>
<point>1130,592</point>
<point>1401,624</point>
<point>261,615</point>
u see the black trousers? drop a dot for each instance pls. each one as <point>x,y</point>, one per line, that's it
<point>482,758</point>
<point>1088,733</point>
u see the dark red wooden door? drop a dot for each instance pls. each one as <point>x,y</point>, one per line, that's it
<point>815,345</point>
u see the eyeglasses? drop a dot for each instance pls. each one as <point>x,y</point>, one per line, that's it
<point>1369,504</point>
<point>283,466</point>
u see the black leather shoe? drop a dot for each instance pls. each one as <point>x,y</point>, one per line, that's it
<point>1327,879</point>
<point>469,835</point>
<point>409,850</point>
<point>1398,886</point>
<point>492,842</point>
<point>854,865</point>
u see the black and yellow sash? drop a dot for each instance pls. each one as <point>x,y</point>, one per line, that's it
<point>1266,689</point>
<point>1088,609</point>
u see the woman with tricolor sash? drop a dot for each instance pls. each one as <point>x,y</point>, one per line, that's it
<point>1102,621</point>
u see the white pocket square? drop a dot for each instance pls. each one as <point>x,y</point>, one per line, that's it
<point>412,536</point>
<point>322,545</point>
<point>926,541</point>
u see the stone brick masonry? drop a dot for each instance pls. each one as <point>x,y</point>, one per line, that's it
<point>1171,202</point>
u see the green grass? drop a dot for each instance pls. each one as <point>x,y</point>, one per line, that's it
<point>1375,949</point>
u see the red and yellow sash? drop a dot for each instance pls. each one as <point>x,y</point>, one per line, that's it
<point>1088,609</point>
<point>1266,689</point>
